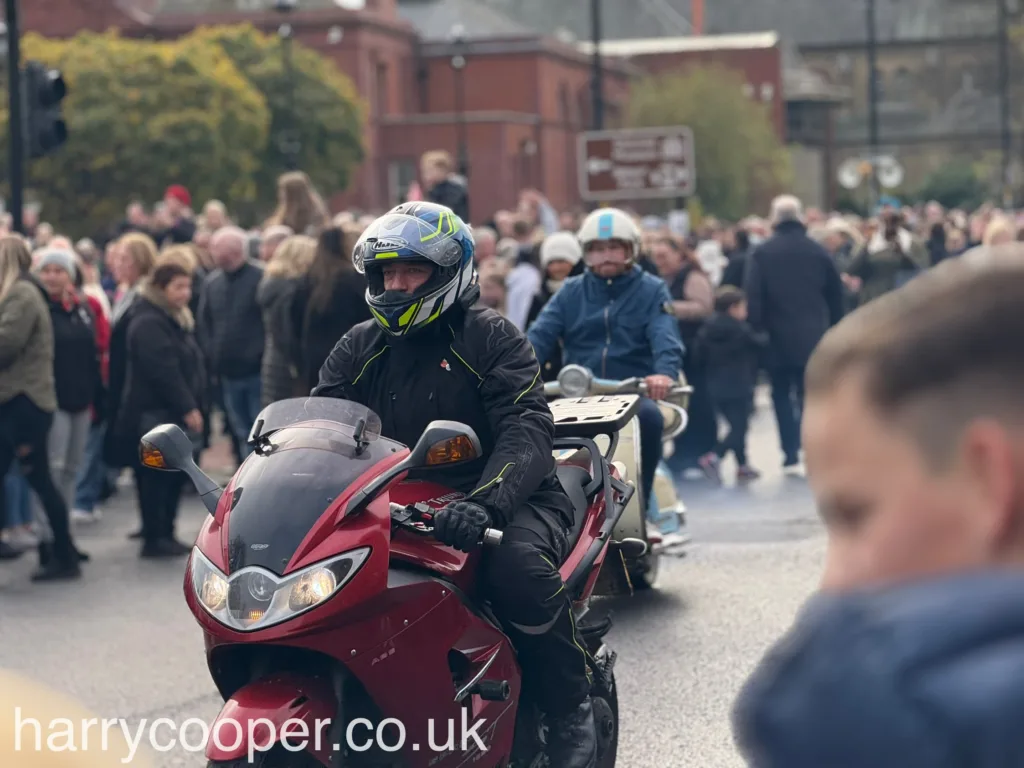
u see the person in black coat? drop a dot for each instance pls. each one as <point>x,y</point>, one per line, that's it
<point>282,356</point>
<point>936,245</point>
<point>795,294</point>
<point>739,257</point>
<point>443,186</point>
<point>76,366</point>
<point>728,351</point>
<point>329,301</point>
<point>165,384</point>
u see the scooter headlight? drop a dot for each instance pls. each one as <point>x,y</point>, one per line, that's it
<point>575,381</point>
<point>254,598</point>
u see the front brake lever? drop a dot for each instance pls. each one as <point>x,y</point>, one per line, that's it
<point>416,518</point>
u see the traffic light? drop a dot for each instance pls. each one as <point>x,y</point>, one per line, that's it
<point>43,90</point>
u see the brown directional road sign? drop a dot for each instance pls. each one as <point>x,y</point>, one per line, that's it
<point>636,164</point>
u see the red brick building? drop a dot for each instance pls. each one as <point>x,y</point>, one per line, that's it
<point>524,97</point>
<point>518,101</point>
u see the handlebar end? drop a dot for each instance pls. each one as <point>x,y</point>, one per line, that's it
<point>492,537</point>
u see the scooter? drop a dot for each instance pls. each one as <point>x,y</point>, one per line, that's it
<point>659,521</point>
<point>330,613</point>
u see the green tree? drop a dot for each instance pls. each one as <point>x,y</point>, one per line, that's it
<point>955,185</point>
<point>142,115</point>
<point>740,161</point>
<point>328,118</point>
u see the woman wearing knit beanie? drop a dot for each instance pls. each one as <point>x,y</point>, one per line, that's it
<point>76,366</point>
<point>560,257</point>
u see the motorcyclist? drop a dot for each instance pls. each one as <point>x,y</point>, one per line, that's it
<point>430,354</point>
<point>616,319</point>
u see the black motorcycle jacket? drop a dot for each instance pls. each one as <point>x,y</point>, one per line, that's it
<point>471,366</point>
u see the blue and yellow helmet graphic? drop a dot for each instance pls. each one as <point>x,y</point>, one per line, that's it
<point>421,233</point>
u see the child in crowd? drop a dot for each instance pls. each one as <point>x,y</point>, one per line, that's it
<point>728,350</point>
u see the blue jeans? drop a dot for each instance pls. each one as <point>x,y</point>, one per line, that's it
<point>93,472</point>
<point>652,424</point>
<point>19,498</point>
<point>242,404</point>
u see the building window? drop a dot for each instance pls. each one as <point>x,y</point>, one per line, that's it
<point>794,122</point>
<point>564,105</point>
<point>806,123</point>
<point>381,89</point>
<point>401,173</point>
<point>583,99</point>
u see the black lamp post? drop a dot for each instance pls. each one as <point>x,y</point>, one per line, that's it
<point>873,129</point>
<point>458,39</point>
<point>1005,129</point>
<point>16,141</point>
<point>596,67</point>
<point>288,139</point>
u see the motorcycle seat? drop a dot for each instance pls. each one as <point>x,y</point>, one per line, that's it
<point>574,480</point>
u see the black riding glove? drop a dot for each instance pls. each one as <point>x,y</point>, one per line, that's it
<point>461,525</point>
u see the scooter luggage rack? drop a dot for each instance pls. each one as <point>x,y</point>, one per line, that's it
<point>593,416</point>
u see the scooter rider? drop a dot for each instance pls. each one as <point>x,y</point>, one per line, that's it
<point>430,354</point>
<point>616,320</point>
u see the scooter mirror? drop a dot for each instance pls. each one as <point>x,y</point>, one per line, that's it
<point>445,442</point>
<point>167,448</point>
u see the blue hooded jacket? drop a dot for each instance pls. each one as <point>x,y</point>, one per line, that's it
<point>929,675</point>
<point>617,328</point>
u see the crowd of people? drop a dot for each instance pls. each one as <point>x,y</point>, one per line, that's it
<point>180,315</point>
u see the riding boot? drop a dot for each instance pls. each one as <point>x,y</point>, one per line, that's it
<point>572,738</point>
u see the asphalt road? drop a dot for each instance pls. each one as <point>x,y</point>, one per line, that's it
<point>123,643</point>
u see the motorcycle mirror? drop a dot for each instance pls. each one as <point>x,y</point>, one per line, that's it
<point>445,442</point>
<point>168,449</point>
<point>442,442</point>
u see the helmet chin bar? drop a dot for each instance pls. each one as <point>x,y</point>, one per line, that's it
<point>395,297</point>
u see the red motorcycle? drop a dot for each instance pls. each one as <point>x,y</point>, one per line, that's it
<point>338,632</point>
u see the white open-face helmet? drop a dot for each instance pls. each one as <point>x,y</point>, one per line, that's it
<point>610,224</point>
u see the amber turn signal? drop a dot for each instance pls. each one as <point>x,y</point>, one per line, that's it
<point>151,457</point>
<point>451,450</point>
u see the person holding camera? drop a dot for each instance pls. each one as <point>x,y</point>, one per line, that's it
<point>888,260</point>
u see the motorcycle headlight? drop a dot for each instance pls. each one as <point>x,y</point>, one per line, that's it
<point>254,598</point>
<point>575,381</point>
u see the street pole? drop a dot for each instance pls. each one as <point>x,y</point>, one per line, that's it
<point>1004,102</point>
<point>873,140</point>
<point>460,107</point>
<point>458,64</point>
<point>597,75</point>
<point>15,124</point>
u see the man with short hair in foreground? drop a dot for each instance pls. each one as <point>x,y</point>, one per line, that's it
<point>913,654</point>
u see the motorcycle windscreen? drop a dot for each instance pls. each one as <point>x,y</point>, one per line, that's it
<point>279,495</point>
